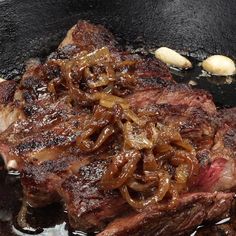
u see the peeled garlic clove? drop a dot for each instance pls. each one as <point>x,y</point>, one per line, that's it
<point>172,58</point>
<point>219,65</point>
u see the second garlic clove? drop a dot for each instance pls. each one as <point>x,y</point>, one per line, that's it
<point>219,65</point>
<point>172,58</point>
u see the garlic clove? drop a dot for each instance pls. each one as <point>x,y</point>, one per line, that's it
<point>219,65</point>
<point>172,58</point>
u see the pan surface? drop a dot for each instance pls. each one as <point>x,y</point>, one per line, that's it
<point>200,28</point>
<point>35,28</point>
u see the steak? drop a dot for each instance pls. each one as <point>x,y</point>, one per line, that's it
<point>7,91</point>
<point>45,114</point>
<point>194,123</point>
<point>10,110</point>
<point>174,94</point>
<point>217,230</point>
<point>89,206</point>
<point>219,173</point>
<point>41,182</point>
<point>194,209</point>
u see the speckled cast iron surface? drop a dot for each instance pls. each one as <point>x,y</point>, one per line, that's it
<point>200,27</point>
<point>34,28</point>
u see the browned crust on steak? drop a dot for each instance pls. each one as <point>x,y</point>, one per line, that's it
<point>88,205</point>
<point>41,182</point>
<point>88,37</point>
<point>174,94</point>
<point>193,210</point>
<point>7,91</point>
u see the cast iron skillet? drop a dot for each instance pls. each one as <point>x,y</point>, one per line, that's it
<point>35,28</point>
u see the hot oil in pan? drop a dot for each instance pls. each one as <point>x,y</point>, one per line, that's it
<point>53,222</point>
<point>223,88</point>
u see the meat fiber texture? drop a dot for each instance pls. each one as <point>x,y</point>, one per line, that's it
<point>38,134</point>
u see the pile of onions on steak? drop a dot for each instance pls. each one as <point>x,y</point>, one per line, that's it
<point>154,164</point>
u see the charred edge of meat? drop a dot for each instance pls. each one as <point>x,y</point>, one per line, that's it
<point>193,210</point>
<point>7,91</point>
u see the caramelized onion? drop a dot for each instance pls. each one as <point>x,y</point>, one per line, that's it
<point>190,160</point>
<point>136,141</point>
<point>101,81</point>
<point>110,72</point>
<point>139,187</point>
<point>185,145</point>
<point>103,136</point>
<point>163,186</point>
<point>88,145</point>
<point>149,162</point>
<point>90,59</point>
<point>133,117</point>
<point>109,101</point>
<point>167,134</point>
<point>181,173</point>
<point>164,149</point>
<point>99,122</point>
<point>121,168</point>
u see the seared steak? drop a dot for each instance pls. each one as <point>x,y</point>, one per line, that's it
<point>174,94</point>
<point>53,134</point>
<point>194,209</point>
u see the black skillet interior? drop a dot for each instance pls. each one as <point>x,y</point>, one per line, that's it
<point>198,28</point>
